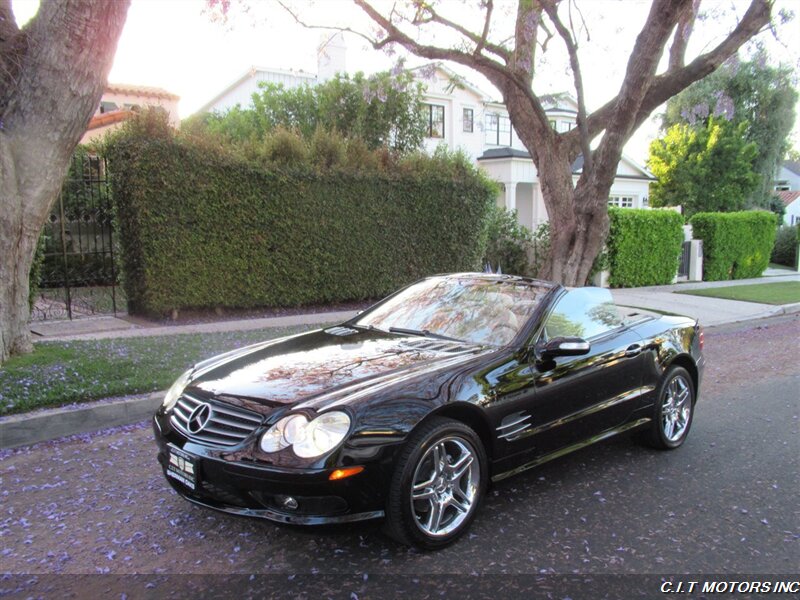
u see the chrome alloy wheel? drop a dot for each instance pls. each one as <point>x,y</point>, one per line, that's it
<point>676,410</point>
<point>445,486</point>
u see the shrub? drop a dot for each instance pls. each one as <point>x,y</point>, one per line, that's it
<point>644,246</point>
<point>507,243</point>
<point>735,245</point>
<point>785,250</point>
<point>202,230</point>
<point>327,149</point>
<point>285,148</point>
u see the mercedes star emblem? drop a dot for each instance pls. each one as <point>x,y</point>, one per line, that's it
<point>199,418</point>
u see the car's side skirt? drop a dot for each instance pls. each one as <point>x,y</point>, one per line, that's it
<point>572,448</point>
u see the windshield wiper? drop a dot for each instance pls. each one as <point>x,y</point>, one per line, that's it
<point>423,333</point>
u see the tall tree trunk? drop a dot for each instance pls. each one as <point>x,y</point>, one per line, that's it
<point>53,72</point>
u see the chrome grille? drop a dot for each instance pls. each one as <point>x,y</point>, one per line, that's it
<point>227,425</point>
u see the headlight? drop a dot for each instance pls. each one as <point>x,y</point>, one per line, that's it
<point>176,390</point>
<point>307,439</point>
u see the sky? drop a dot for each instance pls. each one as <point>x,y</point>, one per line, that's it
<point>176,45</point>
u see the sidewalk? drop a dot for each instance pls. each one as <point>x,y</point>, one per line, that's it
<point>98,328</point>
<point>709,311</point>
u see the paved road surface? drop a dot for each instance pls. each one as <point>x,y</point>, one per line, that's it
<point>726,502</point>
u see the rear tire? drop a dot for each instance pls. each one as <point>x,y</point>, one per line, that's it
<point>438,484</point>
<point>673,411</point>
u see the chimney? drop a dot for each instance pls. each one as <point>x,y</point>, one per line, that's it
<point>330,56</point>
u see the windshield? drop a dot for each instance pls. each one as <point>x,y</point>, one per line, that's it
<point>482,311</point>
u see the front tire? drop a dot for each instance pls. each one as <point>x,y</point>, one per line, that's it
<point>673,411</point>
<point>438,484</point>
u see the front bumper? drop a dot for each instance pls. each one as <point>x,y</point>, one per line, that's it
<point>230,483</point>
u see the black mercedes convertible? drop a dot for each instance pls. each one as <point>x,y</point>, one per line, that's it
<point>409,410</point>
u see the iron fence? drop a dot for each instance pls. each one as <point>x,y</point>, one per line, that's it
<point>79,275</point>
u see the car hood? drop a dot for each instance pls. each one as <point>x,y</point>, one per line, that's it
<point>332,366</point>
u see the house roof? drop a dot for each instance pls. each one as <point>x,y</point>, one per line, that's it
<point>787,197</point>
<point>577,166</point>
<point>459,79</point>
<point>249,74</point>
<point>140,90</point>
<point>792,165</point>
<point>109,118</point>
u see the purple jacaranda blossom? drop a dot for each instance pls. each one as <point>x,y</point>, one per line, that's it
<point>724,107</point>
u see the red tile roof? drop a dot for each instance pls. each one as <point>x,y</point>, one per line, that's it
<point>140,90</point>
<point>787,197</point>
<point>109,118</point>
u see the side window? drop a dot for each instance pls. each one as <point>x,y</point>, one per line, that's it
<point>584,313</point>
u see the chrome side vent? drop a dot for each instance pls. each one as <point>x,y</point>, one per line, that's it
<point>213,423</point>
<point>513,426</point>
<point>341,331</point>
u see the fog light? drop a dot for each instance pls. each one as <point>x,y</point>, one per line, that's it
<point>286,502</point>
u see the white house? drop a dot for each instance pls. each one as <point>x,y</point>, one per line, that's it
<point>791,200</point>
<point>463,117</point>
<point>787,179</point>
<point>787,188</point>
<point>331,59</point>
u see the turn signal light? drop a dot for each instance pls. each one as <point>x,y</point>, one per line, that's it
<point>344,473</point>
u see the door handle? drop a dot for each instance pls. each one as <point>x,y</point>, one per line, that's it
<point>633,350</point>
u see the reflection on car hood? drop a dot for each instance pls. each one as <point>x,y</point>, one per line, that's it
<point>321,368</point>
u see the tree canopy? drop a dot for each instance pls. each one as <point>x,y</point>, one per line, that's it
<point>754,94</point>
<point>703,169</point>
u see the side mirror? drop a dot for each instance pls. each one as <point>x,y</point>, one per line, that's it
<point>564,346</point>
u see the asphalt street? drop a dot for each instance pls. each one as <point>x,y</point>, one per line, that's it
<point>725,503</point>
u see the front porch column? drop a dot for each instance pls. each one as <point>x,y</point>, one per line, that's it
<point>511,195</point>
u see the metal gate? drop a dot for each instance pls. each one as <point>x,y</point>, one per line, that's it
<point>78,275</point>
<point>686,255</point>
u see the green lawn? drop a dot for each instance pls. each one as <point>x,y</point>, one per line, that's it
<point>59,373</point>
<point>786,292</point>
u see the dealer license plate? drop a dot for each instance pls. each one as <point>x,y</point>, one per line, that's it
<point>182,466</point>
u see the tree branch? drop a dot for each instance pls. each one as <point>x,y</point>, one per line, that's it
<point>668,84</point>
<point>677,52</point>
<point>487,21</point>
<point>302,23</point>
<point>481,41</point>
<point>572,48</point>
<point>529,18</point>
<point>493,70</point>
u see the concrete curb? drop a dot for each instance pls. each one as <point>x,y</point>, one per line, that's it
<point>30,428</point>
<point>41,426</point>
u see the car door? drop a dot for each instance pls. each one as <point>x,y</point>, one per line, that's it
<point>577,397</point>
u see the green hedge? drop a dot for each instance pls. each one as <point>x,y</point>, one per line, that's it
<point>736,245</point>
<point>204,229</point>
<point>644,246</point>
<point>784,252</point>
